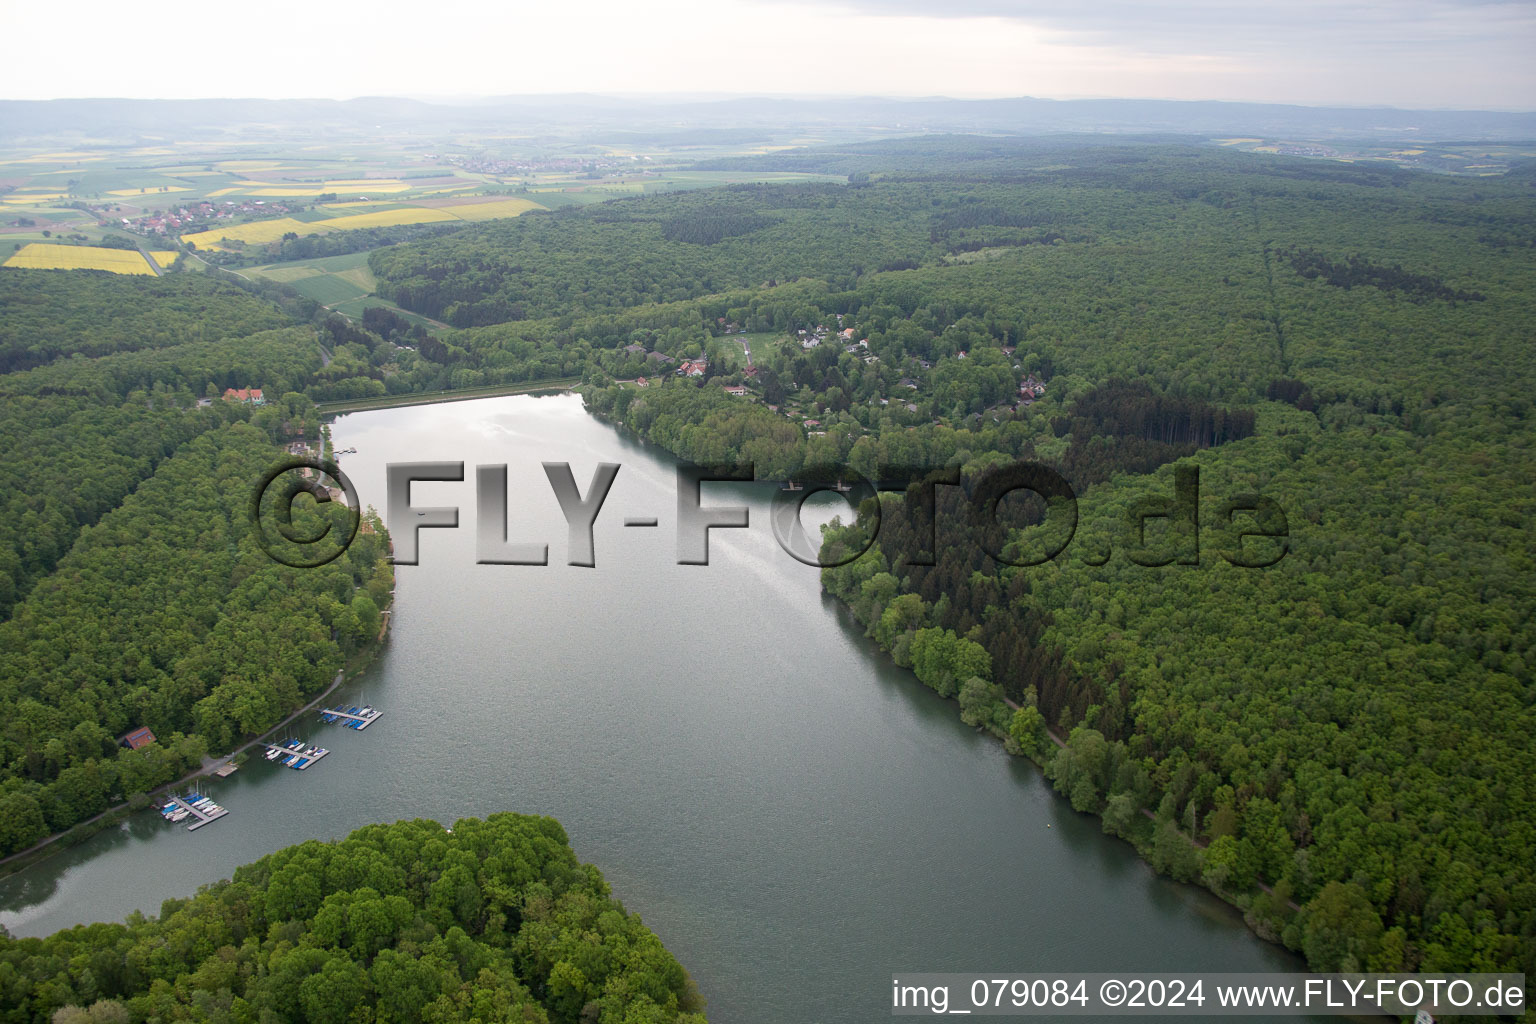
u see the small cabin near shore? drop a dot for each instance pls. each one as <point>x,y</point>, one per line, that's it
<point>140,737</point>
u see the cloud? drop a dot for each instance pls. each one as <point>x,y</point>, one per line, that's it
<point>1414,53</point>
<point>1243,27</point>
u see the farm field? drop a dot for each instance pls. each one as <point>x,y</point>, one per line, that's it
<point>468,210</point>
<point>262,232</point>
<point>46,256</point>
<point>328,281</point>
<point>257,232</point>
<point>343,284</point>
<point>263,191</point>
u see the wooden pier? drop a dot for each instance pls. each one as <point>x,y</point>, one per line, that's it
<point>363,720</point>
<point>286,752</point>
<point>203,818</point>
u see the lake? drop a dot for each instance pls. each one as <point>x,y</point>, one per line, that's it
<point>794,815</point>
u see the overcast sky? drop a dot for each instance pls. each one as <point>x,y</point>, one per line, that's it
<point>1404,53</point>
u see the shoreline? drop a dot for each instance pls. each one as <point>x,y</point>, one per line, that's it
<point>553,385</point>
<point>1142,848</point>
<point>365,657</point>
<point>83,830</point>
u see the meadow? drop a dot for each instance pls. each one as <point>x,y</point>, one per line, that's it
<point>343,284</point>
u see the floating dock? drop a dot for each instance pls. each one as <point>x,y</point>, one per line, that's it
<point>203,817</point>
<point>349,717</point>
<point>304,761</point>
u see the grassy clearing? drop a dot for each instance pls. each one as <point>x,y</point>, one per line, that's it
<point>331,281</point>
<point>354,308</point>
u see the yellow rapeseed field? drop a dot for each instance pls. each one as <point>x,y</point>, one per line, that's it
<point>256,233</point>
<point>384,219</point>
<point>54,158</point>
<point>46,256</point>
<point>387,185</point>
<point>493,209</point>
<point>164,257</point>
<point>262,232</point>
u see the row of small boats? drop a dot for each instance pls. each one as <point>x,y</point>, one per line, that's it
<point>175,811</point>
<point>292,753</point>
<point>351,723</point>
<point>301,756</point>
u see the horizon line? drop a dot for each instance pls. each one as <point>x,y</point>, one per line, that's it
<point>453,99</point>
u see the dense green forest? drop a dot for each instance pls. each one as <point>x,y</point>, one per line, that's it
<point>490,921</point>
<point>49,314</point>
<point>1339,743</point>
<point>213,639</point>
<point>131,591</point>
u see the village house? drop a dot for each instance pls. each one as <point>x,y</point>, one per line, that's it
<point>1030,390</point>
<point>693,368</point>
<point>249,396</point>
<point>635,349</point>
<point>735,389</point>
<point>641,382</point>
<point>140,737</point>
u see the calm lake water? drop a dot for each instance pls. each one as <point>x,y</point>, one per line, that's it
<point>796,817</point>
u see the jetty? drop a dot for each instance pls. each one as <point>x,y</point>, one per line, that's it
<point>203,817</point>
<point>355,718</point>
<point>301,756</point>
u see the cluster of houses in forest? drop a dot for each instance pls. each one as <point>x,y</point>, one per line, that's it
<point>1030,390</point>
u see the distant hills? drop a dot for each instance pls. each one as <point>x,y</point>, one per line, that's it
<point>131,120</point>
